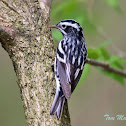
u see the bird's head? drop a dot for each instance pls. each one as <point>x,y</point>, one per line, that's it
<point>69,27</point>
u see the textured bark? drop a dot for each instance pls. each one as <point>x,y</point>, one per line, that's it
<point>26,38</point>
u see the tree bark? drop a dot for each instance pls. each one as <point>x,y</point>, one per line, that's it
<point>27,39</point>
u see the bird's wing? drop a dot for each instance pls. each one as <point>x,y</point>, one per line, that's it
<point>65,84</point>
<point>76,80</point>
<point>67,73</point>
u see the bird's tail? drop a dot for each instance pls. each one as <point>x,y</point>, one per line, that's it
<point>58,103</point>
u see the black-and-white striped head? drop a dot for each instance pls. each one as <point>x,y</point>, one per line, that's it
<point>69,27</point>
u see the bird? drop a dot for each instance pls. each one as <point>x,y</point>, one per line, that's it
<point>70,59</point>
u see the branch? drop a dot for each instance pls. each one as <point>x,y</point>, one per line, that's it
<point>106,66</point>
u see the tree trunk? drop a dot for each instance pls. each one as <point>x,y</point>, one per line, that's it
<point>25,36</point>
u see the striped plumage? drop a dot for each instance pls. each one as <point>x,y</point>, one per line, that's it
<point>69,62</point>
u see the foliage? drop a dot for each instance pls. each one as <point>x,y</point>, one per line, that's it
<point>79,10</point>
<point>102,54</point>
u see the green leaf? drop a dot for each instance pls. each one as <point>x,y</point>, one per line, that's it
<point>93,53</point>
<point>116,77</point>
<point>100,53</point>
<point>120,60</point>
<point>85,73</point>
<point>104,53</point>
<point>115,62</point>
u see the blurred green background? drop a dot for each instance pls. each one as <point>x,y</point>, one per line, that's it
<point>98,93</point>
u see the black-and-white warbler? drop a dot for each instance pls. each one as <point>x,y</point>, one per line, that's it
<point>69,62</point>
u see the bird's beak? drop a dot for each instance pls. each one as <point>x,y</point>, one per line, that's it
<point>53,26</point>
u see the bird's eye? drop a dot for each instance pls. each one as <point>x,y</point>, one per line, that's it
<point>63,26</point>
